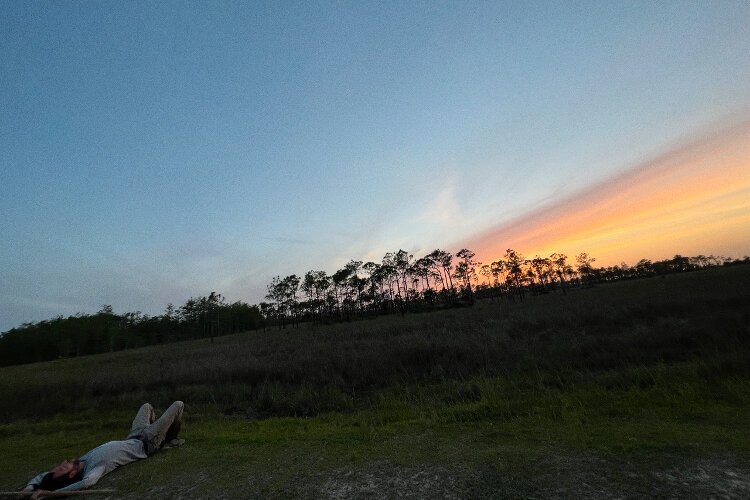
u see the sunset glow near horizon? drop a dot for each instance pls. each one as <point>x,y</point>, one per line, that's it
<point>157,151</point>
<point>690,200</point>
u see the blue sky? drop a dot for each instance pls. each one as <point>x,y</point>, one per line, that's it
<point>154,151</point>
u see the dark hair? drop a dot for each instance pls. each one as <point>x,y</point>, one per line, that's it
<point>49,483</point>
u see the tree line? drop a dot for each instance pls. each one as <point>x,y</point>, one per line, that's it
<point>402,283</point>
<point>106,331</point>
<point>399,283</point>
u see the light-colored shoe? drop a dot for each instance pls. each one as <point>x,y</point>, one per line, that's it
<point>174,443</point>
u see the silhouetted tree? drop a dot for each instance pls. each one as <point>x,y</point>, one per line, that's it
<point>541,269</point>
<point>277,297</point>
<point>443,263</point>
<point>585,268</point>
<point>497,268</point>
<point>315,285</point>
<point>465,271</point>
<point>402,264</point>
<point>560,268</point>
<point>514,266</point>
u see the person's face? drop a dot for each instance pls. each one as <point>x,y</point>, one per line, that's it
<point>66,468</point>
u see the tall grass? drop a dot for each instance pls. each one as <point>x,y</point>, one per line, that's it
<point>611,334</point>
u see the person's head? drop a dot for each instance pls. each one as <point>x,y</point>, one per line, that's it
<point>65,473</point>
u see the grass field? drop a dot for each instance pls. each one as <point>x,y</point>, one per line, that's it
<point>633,389</point>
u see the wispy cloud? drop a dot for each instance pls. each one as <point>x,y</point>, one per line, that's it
<point>443,210</point>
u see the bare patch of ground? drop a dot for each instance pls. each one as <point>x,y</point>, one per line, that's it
<point>383,479</point>
<point>552,476</point>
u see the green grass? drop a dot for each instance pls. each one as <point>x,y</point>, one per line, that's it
<point>632,389</point>
<point>678,417</point>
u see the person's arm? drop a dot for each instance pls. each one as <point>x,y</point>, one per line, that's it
<point>89,479</point>
<point>35,482</point>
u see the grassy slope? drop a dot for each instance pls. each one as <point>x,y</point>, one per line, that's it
<point>670,428</point>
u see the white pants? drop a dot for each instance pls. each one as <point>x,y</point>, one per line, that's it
<point>156,431</point>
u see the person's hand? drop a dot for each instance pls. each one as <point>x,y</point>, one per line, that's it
<point>39,494</point>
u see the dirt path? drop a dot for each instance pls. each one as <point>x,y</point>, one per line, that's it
<point>550,477</point>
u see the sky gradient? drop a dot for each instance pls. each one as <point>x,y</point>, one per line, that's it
<point>154,151</point>
<point>691,198</point>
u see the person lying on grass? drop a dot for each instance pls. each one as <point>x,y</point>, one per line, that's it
<point>147,436</point>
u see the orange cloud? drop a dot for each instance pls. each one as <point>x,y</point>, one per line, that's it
<point>693,199</point>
